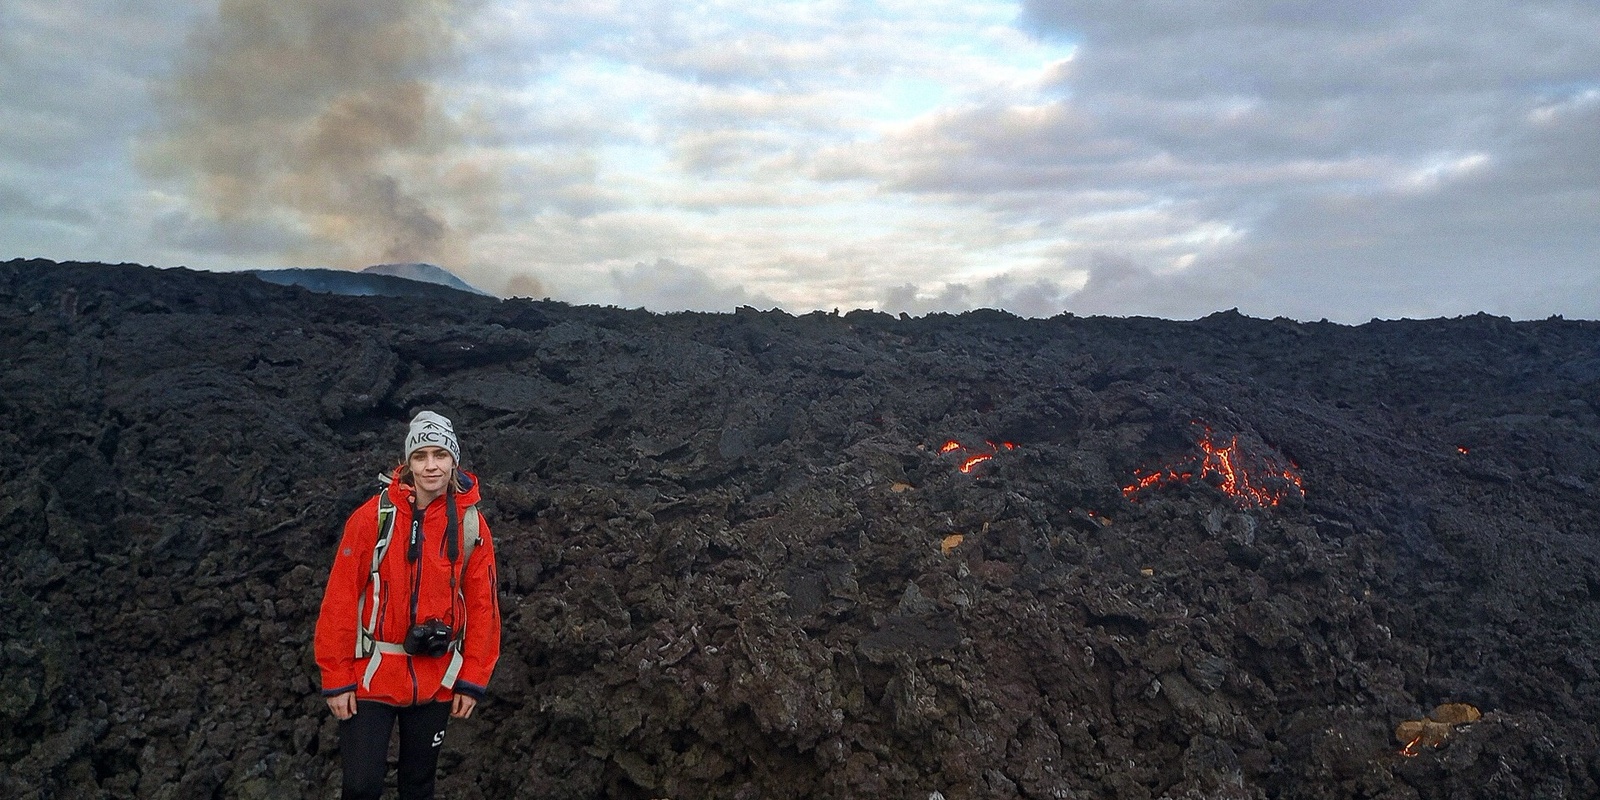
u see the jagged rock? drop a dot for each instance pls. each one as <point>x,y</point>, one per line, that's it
<point>717,582</point>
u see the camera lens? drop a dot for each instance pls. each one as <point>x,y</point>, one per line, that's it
<point>430,638</point>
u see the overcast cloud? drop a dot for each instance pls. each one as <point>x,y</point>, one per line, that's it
<point>1314,160</point>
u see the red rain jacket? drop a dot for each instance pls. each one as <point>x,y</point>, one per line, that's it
<point>400,679</point>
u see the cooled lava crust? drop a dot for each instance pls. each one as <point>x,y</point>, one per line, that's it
<point>726,555</point>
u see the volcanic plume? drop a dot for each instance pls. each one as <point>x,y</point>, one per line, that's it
<point>314,128</point>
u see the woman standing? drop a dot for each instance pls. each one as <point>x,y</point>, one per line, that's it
<point>410,625</point>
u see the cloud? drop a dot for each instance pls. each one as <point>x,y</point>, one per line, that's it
<point>1396,158</point>
<point>1122,287</point>
<point>72,90</point>
<point>72,85</point>
<point>1514,236</point>
<point>322,120</point>
<point>18,204</point>
<point>1107,285</point>
<point>1038,297</point>
<point>668,285</point>
<point>1172,158</point>
<point>234,236</point>
<point>1372,52</point>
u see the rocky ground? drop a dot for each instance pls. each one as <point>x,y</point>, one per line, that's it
<point>738,559</point>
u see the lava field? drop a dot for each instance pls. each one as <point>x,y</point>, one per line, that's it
<point>757,555</point>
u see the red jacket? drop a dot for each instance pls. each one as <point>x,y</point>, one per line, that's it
<point>400,679</point>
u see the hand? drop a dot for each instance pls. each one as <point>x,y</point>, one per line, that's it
<point>343,706</point>
<point>462,706</point>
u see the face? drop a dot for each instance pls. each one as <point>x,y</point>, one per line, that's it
<point>430,468</point>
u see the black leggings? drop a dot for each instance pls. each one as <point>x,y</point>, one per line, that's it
<point>364,748</point>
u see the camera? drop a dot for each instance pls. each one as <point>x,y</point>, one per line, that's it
<point>431,638</point>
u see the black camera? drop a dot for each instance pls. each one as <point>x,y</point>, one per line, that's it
<point>431,638</point>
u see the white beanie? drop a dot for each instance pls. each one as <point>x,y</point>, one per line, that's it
<point>431,430</point>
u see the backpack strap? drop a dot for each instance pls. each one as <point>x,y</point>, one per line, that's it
<point>367,610</point>
<point>470,538</point>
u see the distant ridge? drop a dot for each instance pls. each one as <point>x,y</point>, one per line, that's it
<point>427,273</point>
<point>386,280</point>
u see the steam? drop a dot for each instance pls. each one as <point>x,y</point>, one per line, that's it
<point>318,120</point>
<point>670,286</point>
<point>1027,297</point>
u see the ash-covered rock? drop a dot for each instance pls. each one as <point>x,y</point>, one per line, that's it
<point>729,557</point>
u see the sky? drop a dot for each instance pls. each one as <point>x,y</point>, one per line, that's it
<point>1173,158</point>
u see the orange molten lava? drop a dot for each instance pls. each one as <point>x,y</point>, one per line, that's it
<point>1265,483</point>
<point>973,458</point>
<point>1410,750</point>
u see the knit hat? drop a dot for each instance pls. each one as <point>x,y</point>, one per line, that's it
<point>431,430</point>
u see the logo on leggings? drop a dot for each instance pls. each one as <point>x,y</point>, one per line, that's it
<point>438,738</point>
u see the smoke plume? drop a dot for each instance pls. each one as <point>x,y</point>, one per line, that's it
<point>319,122</point>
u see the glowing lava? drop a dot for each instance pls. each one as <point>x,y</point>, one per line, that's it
<point>1410,750</point>
<point>974,458</point>
<point>1265,482</point>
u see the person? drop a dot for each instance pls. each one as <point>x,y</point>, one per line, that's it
<point>412,636</point>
